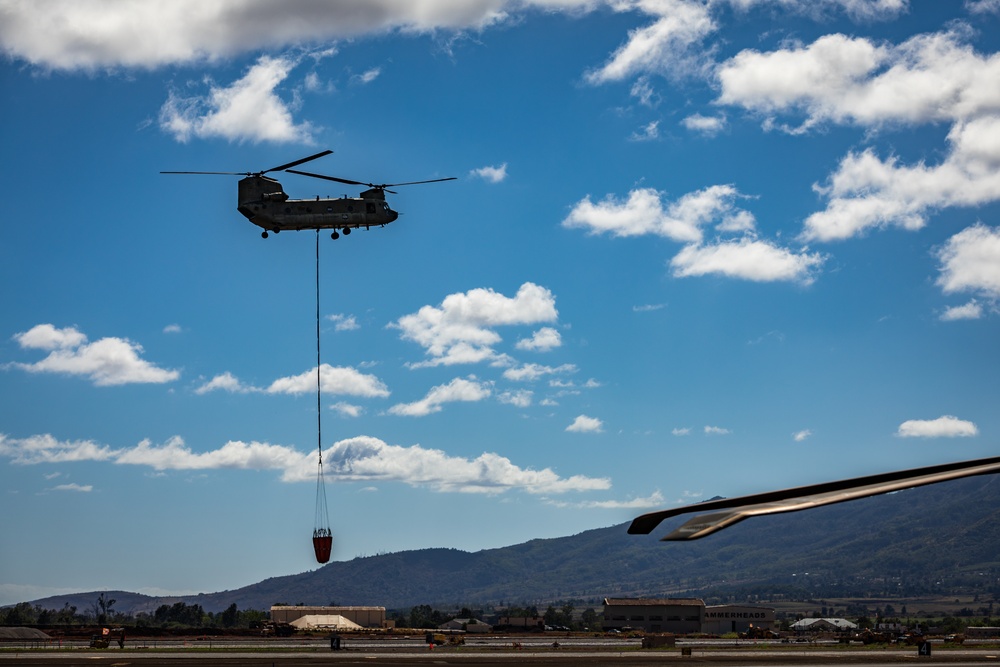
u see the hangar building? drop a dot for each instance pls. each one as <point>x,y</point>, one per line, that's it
<point>682,616</point>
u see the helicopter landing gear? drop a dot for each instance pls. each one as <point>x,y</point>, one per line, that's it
<point>347,230</point>
<point>335,236</point>
<point>263,234</point>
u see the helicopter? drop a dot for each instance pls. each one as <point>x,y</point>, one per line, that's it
<point>263,201</point>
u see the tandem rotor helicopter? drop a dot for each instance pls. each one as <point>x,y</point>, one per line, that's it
<point>264,203</point>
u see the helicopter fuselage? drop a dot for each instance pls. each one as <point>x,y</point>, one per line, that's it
<point>264,203</point>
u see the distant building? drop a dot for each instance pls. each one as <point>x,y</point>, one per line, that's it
<point>467,624</point>
<point>722,619</point>
<point>824,625</point>
<point>677,615</point>
<point>521,622</point>
<point>366,617</point>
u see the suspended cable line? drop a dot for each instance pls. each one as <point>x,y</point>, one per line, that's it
<point>322,535</point>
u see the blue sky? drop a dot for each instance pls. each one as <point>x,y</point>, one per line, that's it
<point>695,248</point>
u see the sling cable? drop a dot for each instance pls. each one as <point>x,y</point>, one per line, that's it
<point>322,535</point>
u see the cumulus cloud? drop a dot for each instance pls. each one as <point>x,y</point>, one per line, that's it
<point>532,372</point>
<point>970,262</point>
<point>747,258</point>
<point>707,125</point>
<point>106,362</point>
<point>225,382</point>
<point>543,340</point>
<point>969,311</point>
<point>347,409</point>
<point>802,436</point>
<point>344,322</point>
<point>491,174</point>
<point>585,424</point>
<point>521,398</point>
<point>462,328</point>
<point>249,109</point>
<point>459,389</point>
<point>852,80</point>
<point>333,380</point>
<point>643,212</point>
<point>79,488</point>
<point>361,458</point>
<point>681,431</point>
<point>95,34</point>
<point>942,427</point>
<point>716,430</point>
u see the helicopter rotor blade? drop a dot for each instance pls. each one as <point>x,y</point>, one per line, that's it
<point>330,178</point>
<point>222,173</point>
<point>434,180</point>
<point>285,167</point>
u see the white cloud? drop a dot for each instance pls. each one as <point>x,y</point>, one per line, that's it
<point>172,329</point>
<point>747,258</point>
<point>94,34</point>
<point>532,372</point>
<point>346,409</point>
<point>585,424</point>
<point>225,382</point>
<point>648,308</point>
<point>333,380</point>
<point>367,76</point>
<point>927,78</point>
<point>970,311</point>
<point>942,427</point>
<point>81,488</point>
<point>707,125</point>
<point>802,436</point>
<point>458,389</point>
<point>655,499</point>
<point>970,262</point>
<point>644,213</point>
<point>356,459</point>
<point>369,460</point>
<point>106,362</point>
<point>491,174</point>
<point>48,337</point>
<point>344,322</point>
<point>681,431</point>
<point>461,330</point>
<point>543,340</point>
<point>650,132</point>
<point>716,430</point>
<point>520,398</point>
<point>249,109</point>
<point>983,6</point>
<point>867,192</point>
<point>663,47</point>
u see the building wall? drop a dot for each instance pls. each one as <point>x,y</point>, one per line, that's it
<point>679,615</point>
<point>720,619</point>
<point>366,617</point>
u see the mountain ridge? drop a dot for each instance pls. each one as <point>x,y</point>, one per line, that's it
<point>935,538</point>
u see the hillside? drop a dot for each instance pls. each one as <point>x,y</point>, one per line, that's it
<point>940,538</point>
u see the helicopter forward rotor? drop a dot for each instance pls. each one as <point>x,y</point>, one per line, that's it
<point>283,167</point>
<point>377,186</point>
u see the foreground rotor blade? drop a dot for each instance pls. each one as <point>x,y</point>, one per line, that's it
<point>285,167</point>
<point>328,178</point>
<point>735,510</point>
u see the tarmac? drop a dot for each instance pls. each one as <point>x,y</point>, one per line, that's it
<point>458,657</point>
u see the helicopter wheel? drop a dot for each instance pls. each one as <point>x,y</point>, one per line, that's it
<point>263,234</point>
<point>347,230</point>
<point>335,236</point>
